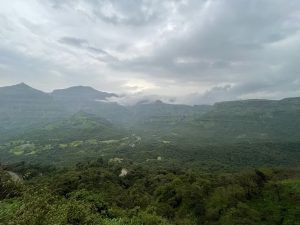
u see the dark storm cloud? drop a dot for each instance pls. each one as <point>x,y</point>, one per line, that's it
<point>76,42</point>
<point>83,44</point>
<point>232,32</point>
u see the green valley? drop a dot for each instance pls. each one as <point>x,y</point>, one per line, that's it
<point>78,160</point>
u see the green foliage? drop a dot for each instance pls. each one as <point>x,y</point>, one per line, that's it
<point>8,209</point>
<point>8,187</point>
<point>93,193</point>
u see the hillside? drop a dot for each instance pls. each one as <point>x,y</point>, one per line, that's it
<point>23,107</point>
<point>255,120</point>
<point>80,93</point>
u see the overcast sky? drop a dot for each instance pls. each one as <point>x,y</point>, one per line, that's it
<point>192,50</point>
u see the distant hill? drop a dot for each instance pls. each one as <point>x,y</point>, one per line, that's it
<point>80,93</point>
<point>257,119</point>
<point>79,126</point>
<point>21,93</point>
<point>23,108</point>
<point>156,111</point>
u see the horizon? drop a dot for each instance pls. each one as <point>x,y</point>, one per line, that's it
<point>194,52</point>
<point>125,100</point>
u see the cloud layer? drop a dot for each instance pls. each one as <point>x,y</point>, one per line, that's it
<point>196,51</point>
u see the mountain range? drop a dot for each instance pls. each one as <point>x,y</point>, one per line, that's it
<point>23,107</point>
<point>69,125</point>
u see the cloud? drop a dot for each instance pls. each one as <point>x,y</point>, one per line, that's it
<point>194,51</point>
<point>76,42</point>
<point>130,12</point>
<point>83,44</point>
<point>233,34</point>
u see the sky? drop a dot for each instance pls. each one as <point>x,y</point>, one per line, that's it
<point>186,51</point>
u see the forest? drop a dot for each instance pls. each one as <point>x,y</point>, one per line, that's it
<point>97,192</point>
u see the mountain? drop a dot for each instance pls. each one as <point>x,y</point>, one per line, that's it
<point>160,111</point>
<point>23,108</point>
<point>80,93</point>
<point>20,93</point>
<point>253,120</point>
<point>257,105</point>
<point>86,99</point>
<point>225,122</point>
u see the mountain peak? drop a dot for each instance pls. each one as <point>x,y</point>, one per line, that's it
<point>21,90</point>
<point>79,87</point>
<point>17,86</point>
<point>81,93</point>
<point>22,84</point>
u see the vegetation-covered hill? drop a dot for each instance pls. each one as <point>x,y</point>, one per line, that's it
<point>80,93</point>
<point>24,108</point>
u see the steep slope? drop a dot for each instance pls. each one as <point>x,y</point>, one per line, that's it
<point>23,107</point>
<point>87,99</point>
<point>21,93</point>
